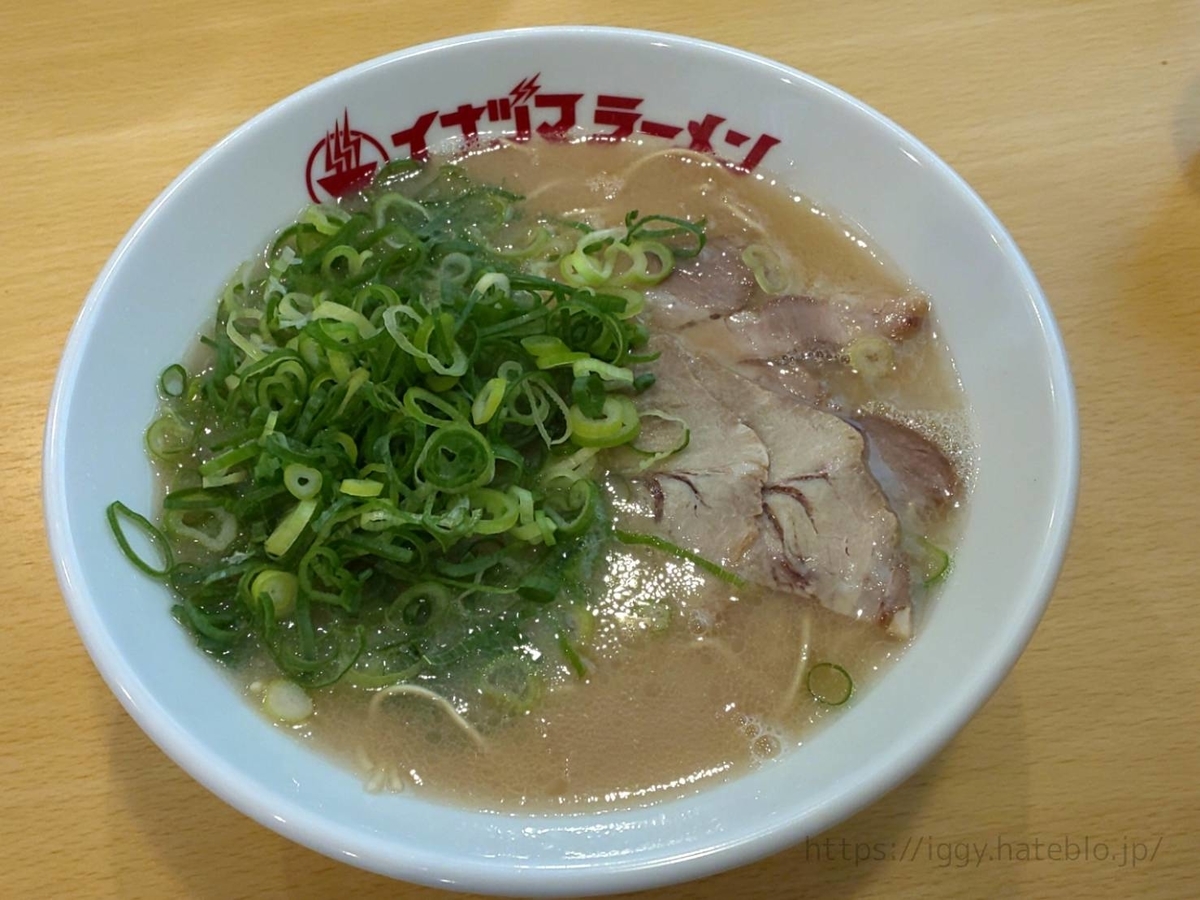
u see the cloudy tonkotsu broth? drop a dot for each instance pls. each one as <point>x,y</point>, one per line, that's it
<point>692,680</point>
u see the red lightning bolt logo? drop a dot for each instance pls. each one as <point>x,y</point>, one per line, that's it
<point>343,159</point>
<point>525,90</point>
<point>342,147</point>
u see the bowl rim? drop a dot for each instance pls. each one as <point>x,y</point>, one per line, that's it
<point>307,827</point>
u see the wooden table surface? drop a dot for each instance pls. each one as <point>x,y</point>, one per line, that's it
<point>1078,122</point>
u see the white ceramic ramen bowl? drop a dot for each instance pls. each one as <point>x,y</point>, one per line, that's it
<point>158,289</point>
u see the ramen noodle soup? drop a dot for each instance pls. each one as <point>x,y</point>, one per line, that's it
<point>560,476</point>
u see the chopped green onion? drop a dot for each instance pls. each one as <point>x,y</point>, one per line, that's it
<point>456,458</point>
<point>303,482</point>
<point>658,443</point>
<point>488,401</point>
<point>195,498</point>
<point>573,658</point>
<point>607,371</point>
<point>384,203</point>
<point>116,512</point>
<point>546,528</point>
<point>214,481</point>
<point>509,682</point>
<point>392,404</point>
<point>326,220</point>
<point>418,605</point>
<point>353,259</point>
<point>933,561</point>
<point>287,702</point>
<point>211,629</point>
<point>279,588</point>
<point>577,627</point>
<point>573,511</point>
<point>502,510</point>
<point>566,358</point>
<point>455,267</point>
<point>360,487</point>
<point>391,321</point>
<point>578,465</point>
<point>582,267</point>
<point>578,624</point>
<point>639,270</point>
<point>348,444</point>
<point>589,392</point>
<point>544,345</point>
<point>252,348</point>
<point>524,500</point>
<point>496,281</point>
<point>829,684</point>
<point>768,269</point>
<point>173,382</point>
<point>290,528</point>
<point>635,301</point>
<point>538,239</point>
<point>223,462</point>
<point>169,437</point>
<point>870,356</point>
<point>339,313</point>
<point>618,424</point>
<point>707,565</point>
<point>213,528</point>
<point>415,400</point>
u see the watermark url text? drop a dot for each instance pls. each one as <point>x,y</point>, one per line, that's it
<point>1126,852</point>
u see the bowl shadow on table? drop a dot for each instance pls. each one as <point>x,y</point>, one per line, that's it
<point>215,852</point>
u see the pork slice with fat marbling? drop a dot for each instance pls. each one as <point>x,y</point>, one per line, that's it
<point>713,303</point>
<point>714,283</point>
<point>707,497</point>
<point>826,530</point>
<point>917,477</point>
<point>773,489</point>
<point>803,325</point>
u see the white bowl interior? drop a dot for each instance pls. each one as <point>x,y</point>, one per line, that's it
<point>159,289</point>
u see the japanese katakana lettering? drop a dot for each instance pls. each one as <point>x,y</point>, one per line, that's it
<point>618,112</point>
<point>527,110</point>
<point>414,136</point>
<point>466,119</point>
<point>565,104</point>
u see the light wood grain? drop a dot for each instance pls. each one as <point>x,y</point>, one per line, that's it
<point>1079,122</point>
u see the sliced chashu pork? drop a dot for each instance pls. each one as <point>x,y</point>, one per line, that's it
<point>714,284</point>
<point>773,489</point>
<point>827,529</point>
<point>707,497</point>
<point>917,478</point>
<point>713,302</point>
<point>716,309</point>
<point>716,291</point>
<point>791,324</point>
